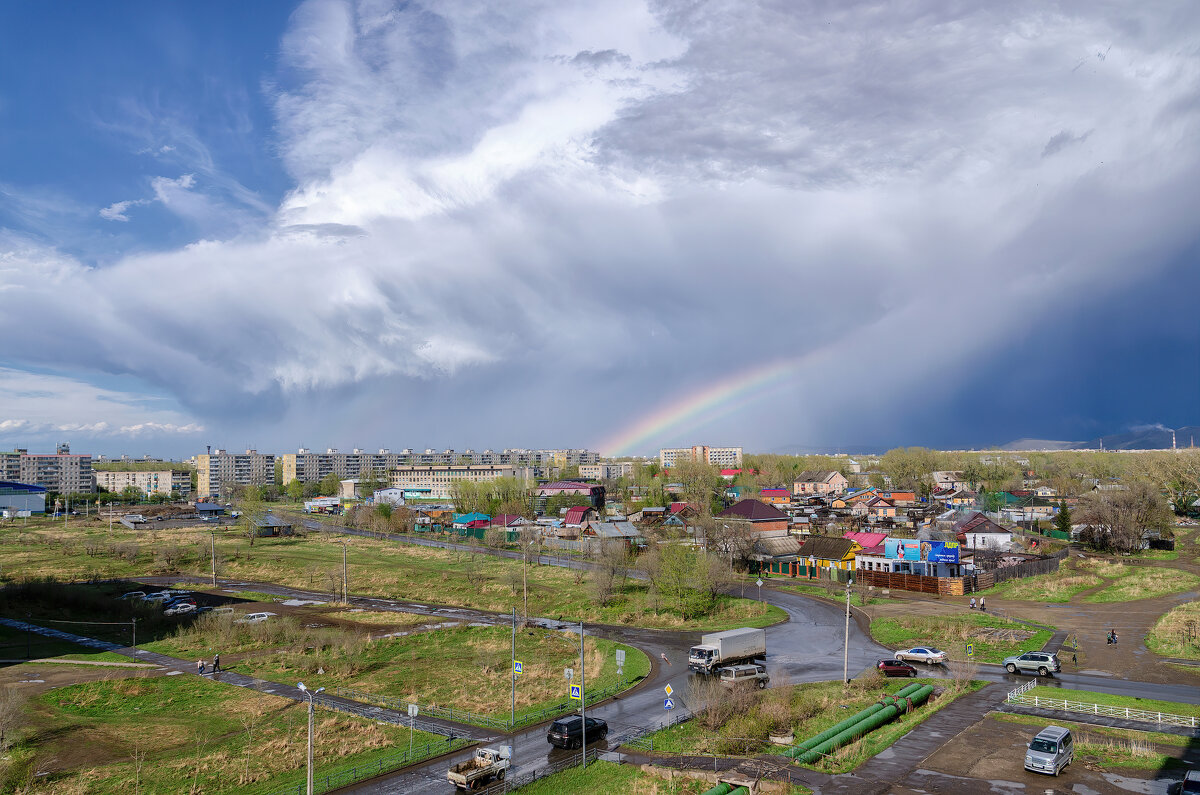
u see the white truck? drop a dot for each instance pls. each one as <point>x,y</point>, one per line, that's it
<point>487,764</point>
<point>733,646</point>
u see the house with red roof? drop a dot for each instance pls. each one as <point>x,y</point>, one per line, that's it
<point>778,497</point>
<point>757,514</point>
<point>866,540</point>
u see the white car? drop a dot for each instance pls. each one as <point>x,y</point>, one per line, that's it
<point>923,654</point>
<point>133,595</point>
<point>180,609</point>
<point>161,596</point>
<point>254,618</point>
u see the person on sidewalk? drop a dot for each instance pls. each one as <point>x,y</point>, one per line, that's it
<point>982,604</point>
<point>200,667</point>
<point>972,602</point>
<point>216,663</point>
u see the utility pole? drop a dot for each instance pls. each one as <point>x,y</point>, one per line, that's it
<point>345,577</point>
<point>214,556</point>
<point>512,669</point>
<point>525,576</point>
<point>582,699</point>
<point>846,647</point>
<point>110,516</point>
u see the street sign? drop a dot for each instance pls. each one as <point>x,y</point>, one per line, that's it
<point>577,692</point>
<point>970,649</point>
<point>620,670</point>
<point>518,667</point>
<point>568,674</point>
<point>758,582</point>
<point>412,710</point>
<point>668,689</point>
<point>620,657</point>
<point>668,704</point>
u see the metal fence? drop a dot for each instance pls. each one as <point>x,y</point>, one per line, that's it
<point>480,719</point>
<point>1020,697</point>
<point>344,777</point>
<point>523,779</point>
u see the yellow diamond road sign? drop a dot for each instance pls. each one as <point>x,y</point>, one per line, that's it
<point>669,690</point>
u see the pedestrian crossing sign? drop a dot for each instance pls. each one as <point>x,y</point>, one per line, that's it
<point>518,667</point>
<point>577,692</point>
<point>970,649</point>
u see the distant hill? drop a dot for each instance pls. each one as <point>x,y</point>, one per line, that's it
<point>1151,438</point>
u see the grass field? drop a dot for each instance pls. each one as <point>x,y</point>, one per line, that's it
<point>1131,582</point>
<point>1059,586</point>
<point>1177,633</point>
<point>181,734</point>
<point>377,568</point>
<point>806,710</point>
<point>610,777</point>
<point>466,667</point>
<point>993,637</point>
<point>1105,699</point>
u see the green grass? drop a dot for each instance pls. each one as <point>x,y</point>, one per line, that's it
<point>807,710</point>
<point>1106,699</point>
<point>951,633</point>
<point>377,568</point>
<point>1058,586</point>
<point>465,667</point>
<point>1158,554</point>
<point>838,594</point>
<point>1145,582</point>
<point>610,777</point>
<point>189,731</point>
<point>1177,633</point>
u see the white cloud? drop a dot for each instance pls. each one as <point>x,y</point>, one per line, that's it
<point>116,210</point>
<point>480,194</point>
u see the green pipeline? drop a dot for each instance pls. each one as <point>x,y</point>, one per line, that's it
<point>867,724</point>
<point>816,740</point>
<point>727,789</point>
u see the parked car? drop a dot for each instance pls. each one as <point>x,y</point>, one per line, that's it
<point>568,732</point>
<point>923,654</point>
<point>1190,784</point>
<point>214,610</point>
<point>254,618</point>
<point>180,608</point>
<point>896,668</point>
<point>179,600</point>
<point>749,674</point>
<point>160,596</point>
<point>1050,751</point>
<point>133,595</point>
<point>1040,662</point>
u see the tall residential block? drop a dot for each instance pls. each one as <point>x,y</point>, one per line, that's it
<point>217,473</point>
<point>436,481</point>
<point>716,456</point>
<point>61,472</point>
<point>158,481</point>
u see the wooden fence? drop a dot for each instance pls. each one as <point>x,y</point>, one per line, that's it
<point>958,586</point>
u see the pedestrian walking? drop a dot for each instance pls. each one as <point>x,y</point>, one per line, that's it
<point>982,604</point>
<point>1113,632</point>
<point>200,667</point>
<point>972,602</point>
<point>216,663</point>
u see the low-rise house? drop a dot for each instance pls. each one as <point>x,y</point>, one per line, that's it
<point>781,498</point>
<point>331,505</point>
<point>605,533</point>
<point>879,508</point>
<point>866,540</point>
<point>777,554</point>
<point>900,498</point>
<point>272,525</point>
<point>462,521</point>
<point>825,552</point>
<point>577,516</point>
<point>758,515</point>
<point>950,480</point>
<point>391,495</point>
<point>650,515</point>
<point>976,531</point>
<point>820,481</point>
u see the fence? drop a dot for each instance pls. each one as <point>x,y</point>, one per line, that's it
<point>523,779</point>
<point>344,777</point>
<point>1021,698</point>
<point>958,586</point>
<point>480,719</point>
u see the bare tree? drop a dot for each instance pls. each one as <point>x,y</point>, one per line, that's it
<point>12,712</point>
<point>1119,518</point>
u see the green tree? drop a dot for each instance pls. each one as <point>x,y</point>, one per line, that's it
<point>295,491</point>
<point>329,485</point>
<point>1062,519</point>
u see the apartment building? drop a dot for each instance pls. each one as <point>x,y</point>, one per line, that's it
<point>61,472</point>
<point>613,471</point>
<point>10,464</point>
<point>158,481</point>
<point>436,480</point>
<point>309,467</point>
<point>217,473</point>
<point>716,456</point>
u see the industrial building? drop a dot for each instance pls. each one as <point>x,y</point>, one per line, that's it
<point>18,497</point>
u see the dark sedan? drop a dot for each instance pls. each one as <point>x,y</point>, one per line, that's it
<point>896,668</point>
<point>568,732</point>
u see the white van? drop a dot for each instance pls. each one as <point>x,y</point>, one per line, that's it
<point>1050,751</point>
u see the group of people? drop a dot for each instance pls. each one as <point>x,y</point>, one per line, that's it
<point>216,665</point>
<point>982,603</point>
<point>1112,636</point>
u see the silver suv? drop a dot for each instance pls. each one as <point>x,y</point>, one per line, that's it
<point>750,674</point>
<point>1041,663</point>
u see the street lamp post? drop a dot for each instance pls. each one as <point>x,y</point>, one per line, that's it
<point>310,694</point>
<point>846,647</point>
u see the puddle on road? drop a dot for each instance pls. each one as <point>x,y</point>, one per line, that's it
<point>1140,785</point>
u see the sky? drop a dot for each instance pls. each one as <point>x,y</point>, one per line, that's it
<point>621,226</point>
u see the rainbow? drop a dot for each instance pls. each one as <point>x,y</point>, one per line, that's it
<point>695,410</point>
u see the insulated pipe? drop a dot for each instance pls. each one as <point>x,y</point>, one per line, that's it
<point>722,789</point>
<point>867,724</point>
<point>815,740</point>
